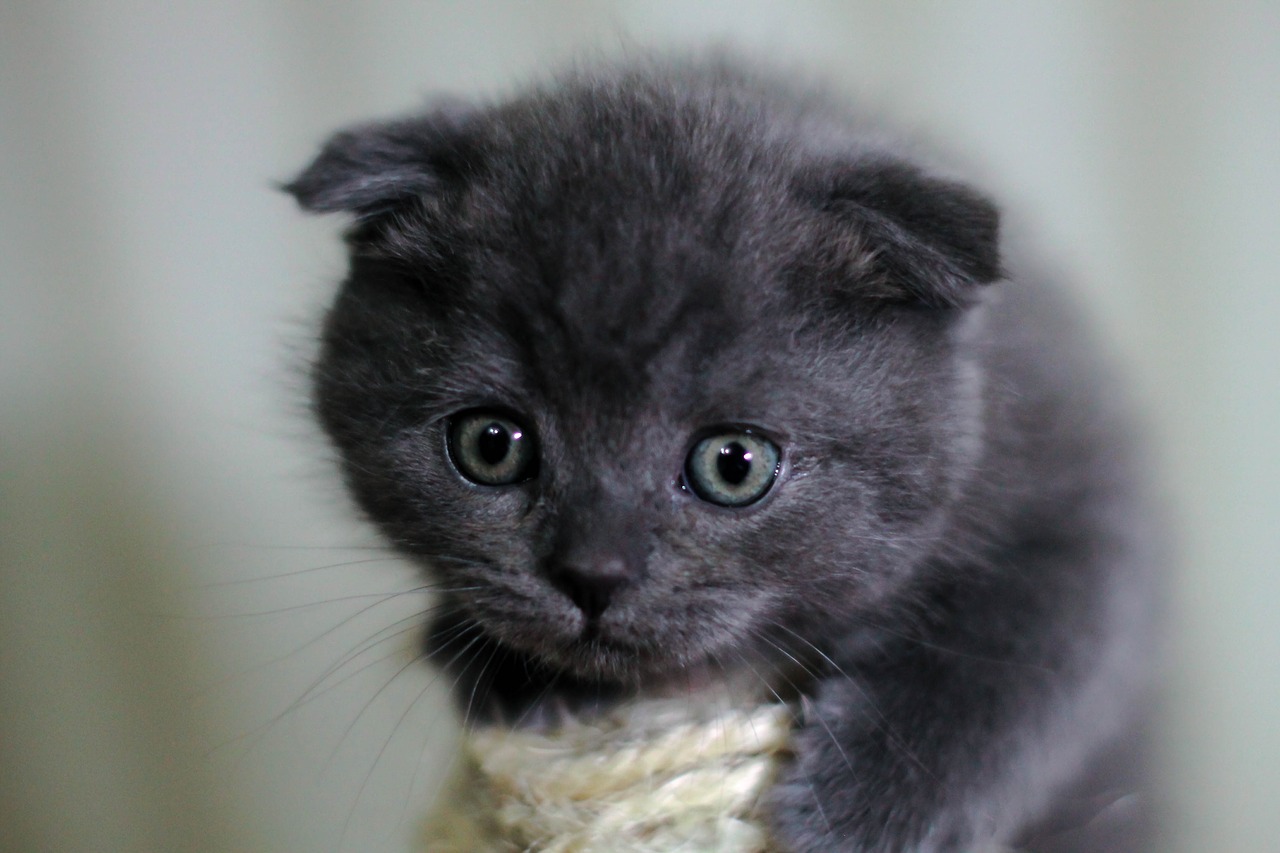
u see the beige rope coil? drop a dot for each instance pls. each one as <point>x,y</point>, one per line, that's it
<point>651,777</point>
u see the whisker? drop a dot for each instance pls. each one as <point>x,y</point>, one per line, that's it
<point>298,649</point>
<point>269,547</point>
<point>293,608</point>
<point>297,572</point>
<point>881,721</point>
<point>475,685</point>
<point>346,826</point>
<point>418,620</point>
<point>821,720</point>
<point>795,721</point>
<point>415,660</point>
<point>377,759</point>
<point>538,700</point>
<point>373,641</point>
<point>256,736</point>
<point>318,686</point>
<point>960,653</point>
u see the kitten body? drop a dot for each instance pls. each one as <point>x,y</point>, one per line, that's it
<point>949,556</point>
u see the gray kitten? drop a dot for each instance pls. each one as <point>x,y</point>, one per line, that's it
<point>666,368</point>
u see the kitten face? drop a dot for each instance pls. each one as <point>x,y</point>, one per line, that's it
<point>641,396</point>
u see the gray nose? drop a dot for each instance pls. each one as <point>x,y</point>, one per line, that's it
<point>592,585</point>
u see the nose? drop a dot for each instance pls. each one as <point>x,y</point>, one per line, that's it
<point>592,585</point>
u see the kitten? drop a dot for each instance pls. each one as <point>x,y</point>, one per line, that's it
<point>668,368</point>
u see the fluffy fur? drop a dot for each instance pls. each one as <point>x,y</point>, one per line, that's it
<point>952,565</point>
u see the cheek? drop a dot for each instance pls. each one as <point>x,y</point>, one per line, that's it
<point>835,532</point>
<point>410,491</point>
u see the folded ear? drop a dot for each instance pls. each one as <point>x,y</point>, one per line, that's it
<point>373,169</point>
<point>926,239</point>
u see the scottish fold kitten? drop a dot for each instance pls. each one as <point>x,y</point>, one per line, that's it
<point>669,371</point>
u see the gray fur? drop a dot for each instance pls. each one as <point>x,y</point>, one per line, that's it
<point>955,555</point>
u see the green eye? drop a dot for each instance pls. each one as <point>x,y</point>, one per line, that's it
<point>491,449</point>
<point>734,467</point>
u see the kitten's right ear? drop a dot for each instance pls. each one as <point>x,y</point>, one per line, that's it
<point>373,169</point>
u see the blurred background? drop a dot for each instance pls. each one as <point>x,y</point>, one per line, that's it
<point>200,650</point>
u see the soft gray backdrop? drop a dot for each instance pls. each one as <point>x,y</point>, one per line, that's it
<point>172,539</point>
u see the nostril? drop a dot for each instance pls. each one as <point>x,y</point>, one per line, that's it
<point>592,588</point>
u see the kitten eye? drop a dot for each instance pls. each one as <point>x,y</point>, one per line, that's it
<point>491,449</point>
<point>732,468</point>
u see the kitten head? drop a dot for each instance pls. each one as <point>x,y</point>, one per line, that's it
<point>647,364</point>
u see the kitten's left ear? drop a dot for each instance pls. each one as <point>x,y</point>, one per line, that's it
<point>373,169</point>
<point>929,240</point>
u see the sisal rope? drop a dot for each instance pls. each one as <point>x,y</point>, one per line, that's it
<point>651,777</point>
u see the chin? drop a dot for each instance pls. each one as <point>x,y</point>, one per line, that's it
<point>627,658</point>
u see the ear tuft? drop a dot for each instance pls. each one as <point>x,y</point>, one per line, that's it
<point>373,169</point>
<point>933,240</point>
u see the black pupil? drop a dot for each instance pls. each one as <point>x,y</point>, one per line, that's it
<point>493,444</point>
<point>733,463</point>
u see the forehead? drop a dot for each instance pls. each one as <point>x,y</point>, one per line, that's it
<point>603,342</point>
<point>633,268</point>
<point>680,354</point>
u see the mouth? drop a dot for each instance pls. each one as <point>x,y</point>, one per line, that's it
<point>680,656</point>
<point>623,644</point>
<point>597,650</point>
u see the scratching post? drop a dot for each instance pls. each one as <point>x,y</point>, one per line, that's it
<point>650,777</point>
